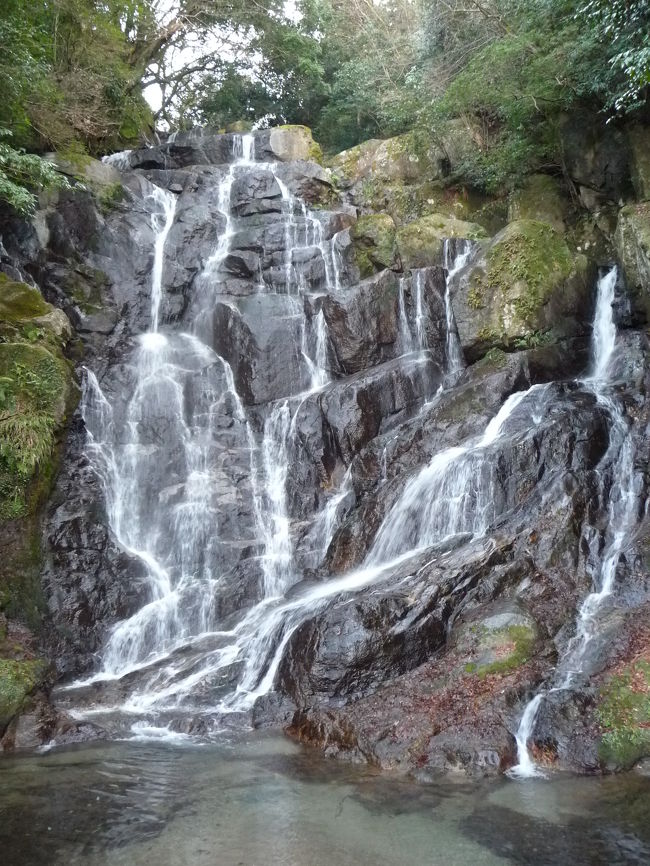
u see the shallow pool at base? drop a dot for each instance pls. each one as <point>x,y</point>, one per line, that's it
<point>262,800</point>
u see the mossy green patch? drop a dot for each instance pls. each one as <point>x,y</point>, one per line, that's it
<point>17,680</point>
<point>374,242</point>
<point>515,642</point>
<point>540,198</point>
<point>624,714</point>
<point>534,256</point>
<point>525,290</point>
<point>109,196</point>
<point>34,389</point>
<point>421,242</point>
<point>20,302</point>
<point>493,359</point>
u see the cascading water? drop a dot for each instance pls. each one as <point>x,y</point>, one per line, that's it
<point>453,262</point>
<point>185,443</point>
<point>181,390</point>
<point>454,494</point>
<point>622,506</point>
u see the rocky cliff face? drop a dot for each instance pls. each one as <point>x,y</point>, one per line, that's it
<point>351,475</point>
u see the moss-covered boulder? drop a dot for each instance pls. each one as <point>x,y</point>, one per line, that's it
<point>633,247</point>
<point>36,396</point>
<point>639,138</point>
<point>401,176</point>
<point>404,159</point>
<point>18,679</point>
<point>35,389</point>
<point>624,714</point>
<point>294,142</point>
<point>25,316</point>
<point>84,168</point>
<point>374,242</point>
<point>526,289</point>
<point>408,176</point>
<point>540,198</point>
<point>420,243</point>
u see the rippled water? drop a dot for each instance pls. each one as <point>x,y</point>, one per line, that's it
<point>265,801</point>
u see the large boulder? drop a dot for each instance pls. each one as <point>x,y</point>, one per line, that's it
<point>257,335</point>
<point>362,322</point>
<point>525,289</point>
<point>374,242</point>
<point>256,192</point>
<point>542,198</point>
<point>357,409</point>
<point>288,144</point>
<point>405,159</point>
<point>633,246</point>
<point>420,243</point>
<point>597,158</point>
<point>408,176</point>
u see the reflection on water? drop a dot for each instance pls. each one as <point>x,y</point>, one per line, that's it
<point>265,801</point>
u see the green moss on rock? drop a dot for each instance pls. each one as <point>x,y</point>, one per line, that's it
<point>541,198</point>
<point>527,289</point>
<point>109,196</point>
<point>420,243</point>
<point>624,715</point>
<point>18,679</point>
<point>532,257</point>
<point>513,645</point>
<point>374,243</point>
<point>35,388</point>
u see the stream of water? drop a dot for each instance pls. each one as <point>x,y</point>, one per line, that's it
<point>622,498</point>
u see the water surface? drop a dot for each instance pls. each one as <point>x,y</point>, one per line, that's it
<point>263,800</point>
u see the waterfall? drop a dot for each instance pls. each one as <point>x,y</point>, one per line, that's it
<point>420,316</point>
<point>456,253</point>
<point>318,366</point>
<point>454,494</point>
<point>161,223</point>
<point>198,478</point>
<point>453,264</point>
<point>406,342</point>
<point>622,509</point>
<point>158,458</point>
<point>277,558</point>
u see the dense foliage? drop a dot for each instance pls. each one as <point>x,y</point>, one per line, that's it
<point>73,73</point>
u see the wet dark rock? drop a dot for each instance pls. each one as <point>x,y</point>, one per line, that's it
<point>90,582</point>
<point>256,192</point>
<point>362,323</point>
<point>251,334</point>
<point>358,409</point>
